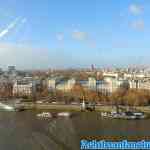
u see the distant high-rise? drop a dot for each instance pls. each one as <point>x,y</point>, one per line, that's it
<point>92,67</point>
<point>1,71</point>
<point>11,69</point>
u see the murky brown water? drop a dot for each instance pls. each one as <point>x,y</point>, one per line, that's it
<point>23,131</point>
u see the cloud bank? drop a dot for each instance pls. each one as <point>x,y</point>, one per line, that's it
<point>79,35</point>
<point>29,57</point>
<point>138,25</point>
<point>136,9</point>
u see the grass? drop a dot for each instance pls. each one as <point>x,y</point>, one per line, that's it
<point>77,108</point>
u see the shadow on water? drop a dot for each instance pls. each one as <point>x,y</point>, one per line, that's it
<point>24,131</point>
<point>62,131</point>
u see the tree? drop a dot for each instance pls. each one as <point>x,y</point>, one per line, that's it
<point>137,97</point>
<point>117,97</point>
<point>78,91</point>
<point>92,95</point>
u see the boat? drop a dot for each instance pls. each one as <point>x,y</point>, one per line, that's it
<point>124,115</point>
<point>19,108</point>
<point>140,115</point>
<point>64,114</point>
<point>104,114</point>
<point>44,115</point>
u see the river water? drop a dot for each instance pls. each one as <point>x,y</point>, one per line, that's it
<point>24,131</point>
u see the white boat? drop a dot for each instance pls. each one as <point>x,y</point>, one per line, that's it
<point>124,115</point>
<point>104,114</point>
<point>139,115</point>
<point>45,115</point>
<point>64,114</point>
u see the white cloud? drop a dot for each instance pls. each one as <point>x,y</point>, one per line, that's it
<point>136,9</point>
<point>60,36</point>
<point>8,28</point>
<point>24,20</point>
<point>79,35</point>
<point>92,44</point>
<point>138,24</point>
<point>11,26</point>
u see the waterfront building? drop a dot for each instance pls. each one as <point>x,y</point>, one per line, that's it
<point>134,76</point>
<point>92,83</point>
<point>66,85</point>
<point>24,88</point>
<point>52,82</point>
<point>144,85</point>
<point>139,84</point>
<point>110,75</point>
<point>108,85</point>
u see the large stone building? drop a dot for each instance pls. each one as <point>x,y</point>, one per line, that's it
<point>60,84</point>
<point>22,89</point>
<point>66,85</point>
<point>25,87</point>
<point>52,82</point>
<point>109,84</point>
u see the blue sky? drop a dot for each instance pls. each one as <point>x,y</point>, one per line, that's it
<point>37,34</point>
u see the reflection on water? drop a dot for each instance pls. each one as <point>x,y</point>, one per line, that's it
<point>23,131</point>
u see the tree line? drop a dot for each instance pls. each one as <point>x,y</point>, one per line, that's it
<point>122,96</point>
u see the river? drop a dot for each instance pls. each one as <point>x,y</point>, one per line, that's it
<point>24,131</point>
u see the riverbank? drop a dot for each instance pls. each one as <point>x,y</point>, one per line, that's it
<point>71,107</point>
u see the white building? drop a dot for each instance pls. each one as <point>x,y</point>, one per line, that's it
<point>139,84</point>
<point>91,83</point>
<point>112,84</point>
<point>24,88</point>
<point>108,85</point>
<point>110,75</point>
<point>134,76</point>
<point>144,85</point>
<point>66,85</point>
<point>52,82</point>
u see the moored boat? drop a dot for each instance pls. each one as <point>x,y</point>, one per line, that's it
<point>64,114</point>
<point>44,115</point>
<point>124,115</point>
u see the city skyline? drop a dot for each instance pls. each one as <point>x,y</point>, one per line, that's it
<point>73,34</point>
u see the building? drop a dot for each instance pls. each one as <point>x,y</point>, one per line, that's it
<point>24,88</point>
<point>108,85</point>
<point>66,85</point>
<point>11,69</point>
<point>58,83</point>
<point>52,82</point>
<point>92,83</point>
<point>139,84</point>
<point>1,71</point>
<point>110,75</point>
<point>104,87</point>
<point>134,76</point>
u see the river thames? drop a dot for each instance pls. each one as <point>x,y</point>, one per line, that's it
<point>24,131</point>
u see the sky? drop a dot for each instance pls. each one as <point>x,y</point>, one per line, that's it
<point>40,34</point>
